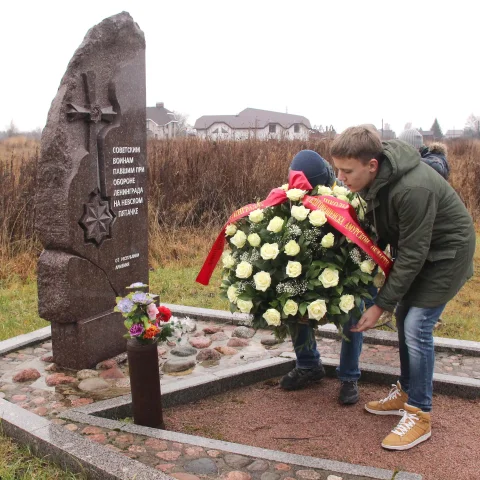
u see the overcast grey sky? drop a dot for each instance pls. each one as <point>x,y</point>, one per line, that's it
<point>335,62</point>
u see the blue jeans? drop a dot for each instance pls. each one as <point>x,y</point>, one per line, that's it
<point>308,356</point>
<point>417,355</point>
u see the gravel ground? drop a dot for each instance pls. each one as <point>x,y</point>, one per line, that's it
<point>311,422</point>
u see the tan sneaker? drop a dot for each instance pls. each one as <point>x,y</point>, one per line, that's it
<point>392,404</point>
<point>414,428</point>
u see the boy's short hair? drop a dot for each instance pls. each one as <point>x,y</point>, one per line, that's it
<point>361,142</point>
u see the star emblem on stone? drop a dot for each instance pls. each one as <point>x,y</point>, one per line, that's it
<point>97,219</point>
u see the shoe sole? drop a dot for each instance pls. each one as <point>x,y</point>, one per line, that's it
<point>410,445</point>
<point>299,387</point>
<point>384,412</point>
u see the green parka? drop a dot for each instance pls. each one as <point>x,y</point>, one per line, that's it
<point>416,211</point>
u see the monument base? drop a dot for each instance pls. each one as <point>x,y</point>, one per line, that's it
<point>85,343</point>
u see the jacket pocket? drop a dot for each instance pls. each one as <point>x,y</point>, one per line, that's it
<point>436,255</point>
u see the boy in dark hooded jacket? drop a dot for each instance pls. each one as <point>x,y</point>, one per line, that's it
<point>435,155</point>
<point>418,213</point>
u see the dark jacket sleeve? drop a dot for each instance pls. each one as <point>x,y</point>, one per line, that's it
<point>416,209</point>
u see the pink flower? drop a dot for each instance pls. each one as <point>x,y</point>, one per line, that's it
<point>152,311</point>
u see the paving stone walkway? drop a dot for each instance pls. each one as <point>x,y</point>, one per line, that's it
<point>30,379</point>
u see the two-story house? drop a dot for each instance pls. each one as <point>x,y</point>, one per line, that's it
<point>161,123</point>
<point>253,122</point>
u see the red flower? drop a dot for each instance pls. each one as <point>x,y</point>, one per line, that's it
<point>164,314</point>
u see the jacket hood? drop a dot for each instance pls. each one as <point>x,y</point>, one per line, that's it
<point>397,159</point>
<point>438,148</point>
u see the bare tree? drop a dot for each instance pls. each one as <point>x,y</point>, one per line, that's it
<point>472,126</point>
<point>12,130</point>
<point>182,123</point>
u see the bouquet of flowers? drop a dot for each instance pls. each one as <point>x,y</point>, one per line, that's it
<point>286,264</point>
<point>143,319</point>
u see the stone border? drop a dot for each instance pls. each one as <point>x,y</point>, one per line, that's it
<point>25,340</point>
<point>70,450</point>
<point>206,385</point>
<point>377,337</point>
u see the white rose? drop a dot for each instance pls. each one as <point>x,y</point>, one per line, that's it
<point>300,213</point>
<point>294,269</point>
<point>284,186</point>
<point>254,239</point>
<point>230,230</point>
<point>328,240</point>
<point>347,302</point>
<point>317,309</point>
<point>355,202</point>
<point>296,194</point>
<point>262,280</point>
<point>244,305</point>
<point>317,218</point>
<point>338,190</point>
<point>379,279</point>
<point>244,270</point>
<point>343,197</point>
<point>329,278</point>
<point>269,251</point>
<point>232,294</point>
<point>292,248</point>
<point>227,260</point>
<point>323,190</point>
<point>239,239</point>
<point>272,317</point>
<point>256,216</point>
<point>367,266</point>
<point>275,225</point>
<point>290,307</point>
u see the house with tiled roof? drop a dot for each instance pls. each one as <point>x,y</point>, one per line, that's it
<point>253,122</point>
<point>454,134</point>
<point>161,123</point>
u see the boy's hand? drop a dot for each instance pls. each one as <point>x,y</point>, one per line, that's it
<point>368,320</point>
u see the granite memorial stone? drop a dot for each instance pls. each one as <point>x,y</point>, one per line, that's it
<point>91,203</point>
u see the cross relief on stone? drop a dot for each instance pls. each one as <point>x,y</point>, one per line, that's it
<point>98,217</point>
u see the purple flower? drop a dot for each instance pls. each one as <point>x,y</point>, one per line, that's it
<point>142,298</point>
<point>136,329</point>
<point>125,305</point>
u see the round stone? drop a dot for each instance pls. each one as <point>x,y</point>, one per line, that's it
<point>93,385</point>
<point>224,350</point>
<point>212,329</point>
<point>201,466</point>
<point>79,402</point>
<point>58,379</point>
<point>185,351</point>
<point>91,430</point>
<point>165,467</point>
<point>219,337</point>
<point>334,477</point>
<point>168,455</point>
<point>71,427</point>
<point>269,476</point>
<point>26,375</point>
<point>156,444</point>
<point>84,374</point>
<point>112,374</point>
<point>200,342</point>
<point>193,451</point>
<point>48,358</point>
<point>243,332</point>
<point>237,475</point>
<point>180,365</point>
<point>208,354</point>
<point>237,342</point>
<point>184,476</point>
<point>308,474</point>
<point>258,466</point>
<point>237,461</point>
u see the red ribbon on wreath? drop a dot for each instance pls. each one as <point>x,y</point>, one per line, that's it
<point>340,214</point>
